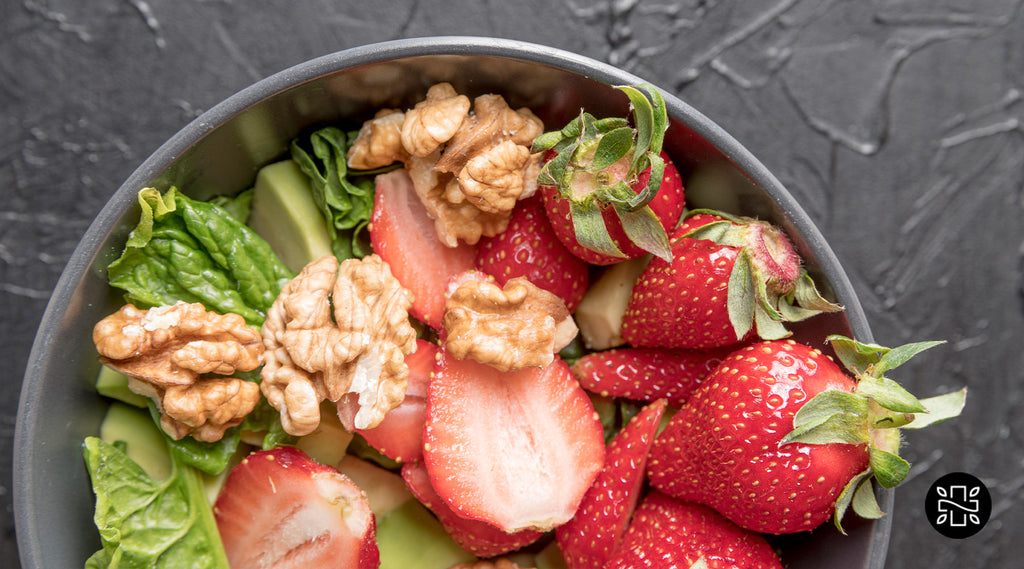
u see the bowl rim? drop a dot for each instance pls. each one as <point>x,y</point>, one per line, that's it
<point>83,255</point>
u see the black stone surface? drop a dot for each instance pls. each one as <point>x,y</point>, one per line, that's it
<point>896,123</point>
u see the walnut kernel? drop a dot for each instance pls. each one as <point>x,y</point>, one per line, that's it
<point>518,326</point>
<point>337,329</point>
<point>166,350</point>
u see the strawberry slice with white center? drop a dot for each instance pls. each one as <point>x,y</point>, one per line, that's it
<point>593,534</point>
<point>404,236</point>
<point>514,449</point>
<point>479,538</point>
<point>281,509</point>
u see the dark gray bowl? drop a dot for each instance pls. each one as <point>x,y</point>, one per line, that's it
<point>220,152</point>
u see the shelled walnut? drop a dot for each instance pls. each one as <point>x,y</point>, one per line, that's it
<point>337,329</point>
<point>469,162</point>
<point>379,141</point>
<point>515,327</point>
<point>167,351</point>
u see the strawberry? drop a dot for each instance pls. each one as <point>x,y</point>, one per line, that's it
<point>666,532</point>
<point>610,191</point>
<point>400,435</point>
<point>588,540</point>
<point>728,446</point>
<point>646,374</point>
<point>479,538</point>
<point>279,508</point>
<point>730,279</point>
<point>515,449</point>
<point>529,248</point>
<point>404,236</point>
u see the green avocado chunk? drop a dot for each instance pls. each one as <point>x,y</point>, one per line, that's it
<point>284,214</point>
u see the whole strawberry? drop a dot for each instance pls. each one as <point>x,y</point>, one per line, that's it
<point>668,533</point>
<point>779,438</point>
<point>610,191</point>
<point>529,248</point>
<point>730,279</point>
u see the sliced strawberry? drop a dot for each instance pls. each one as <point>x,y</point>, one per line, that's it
<point>646,374</point>
<point>400,435</point>
<point>281,509</point>
<point>404,236</point>
<point>589,539</point>
<point>479,538</point>
<point>666,532</point>
<point>529,248</point>
<point>515,449</point>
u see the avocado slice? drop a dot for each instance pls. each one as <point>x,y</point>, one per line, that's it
<point>284,214</point>
<point>143,440</point>
<point>411,537</point>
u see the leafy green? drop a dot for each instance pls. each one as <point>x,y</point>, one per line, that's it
<point>144,523</point>
<point>238,206</point>
<point>195,251</point>
<point>210,457</point>
<point>345,199</point>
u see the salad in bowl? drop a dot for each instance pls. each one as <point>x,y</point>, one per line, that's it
<point>473,304</point>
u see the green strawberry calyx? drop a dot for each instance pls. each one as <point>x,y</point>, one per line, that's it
<point>872,414</point>
<point>767,285</point>
<point>598,162</point>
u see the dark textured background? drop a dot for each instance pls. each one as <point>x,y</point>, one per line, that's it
<point>897,124</point>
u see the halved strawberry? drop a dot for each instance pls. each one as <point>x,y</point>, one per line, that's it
<point>610,191</point>
<point>279,508</point>
<point>670,533</point>
<point>404,236</point>
<point>529,248</point>
<point>479,538</point>
<point>400,435</point>
<point>515,449</point>
<point>589,539</point>
<point>646,374</point>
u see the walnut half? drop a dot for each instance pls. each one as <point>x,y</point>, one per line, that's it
<point>337,329</point>
<point>166,351</point>
<point>515,327</point>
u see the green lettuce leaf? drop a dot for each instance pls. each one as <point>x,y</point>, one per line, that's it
<point>144,523</point>
<point>195,251</point>
<point>209,457</point>
<point>345,199</point>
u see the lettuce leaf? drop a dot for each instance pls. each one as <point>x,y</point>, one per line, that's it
<point>195,251</point>
<point>345,198</point>
<point>144,523</point>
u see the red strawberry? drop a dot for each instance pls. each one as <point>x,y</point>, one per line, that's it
<point>588,540</point>
<point>529,248</point>
<point>667,206</point>
<point>646,374</point>
<point>670,533</point>
<point>728,447</point>
<point>400,435</point>
<point>610,191</point>
<point>730,279</point>
<point>279,508</point>
<point>404,236</point>
<point>515,449</point>
<point>479,538</point>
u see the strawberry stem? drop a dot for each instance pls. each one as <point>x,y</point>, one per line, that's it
<point>601,160</point>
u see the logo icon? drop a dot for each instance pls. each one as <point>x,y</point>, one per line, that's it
<point>958,505</point>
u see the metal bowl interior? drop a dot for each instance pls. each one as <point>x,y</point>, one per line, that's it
<point>220,152</point>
